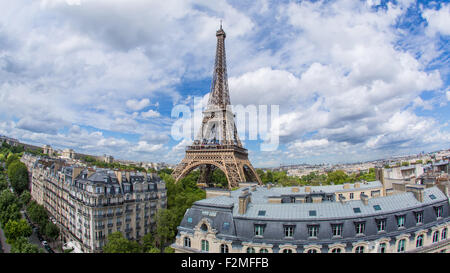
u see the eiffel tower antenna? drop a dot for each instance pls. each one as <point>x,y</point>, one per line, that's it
<point>217,143</point>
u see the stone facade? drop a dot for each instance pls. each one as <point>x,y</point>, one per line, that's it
<point>90,203</point>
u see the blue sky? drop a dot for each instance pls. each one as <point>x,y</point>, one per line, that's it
<point>354,80</point>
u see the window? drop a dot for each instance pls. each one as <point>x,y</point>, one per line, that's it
<point>444,234</point>
<point>419,241</point>
<point>313,231</point>
<point>261,213</point>
<point>351,195</point>
<point>381,225</point>
<point>250,250</point>
<point>432,196</point>
<point>205,245</point>
<point>289,231</point>
<point>419,217</point>
<point>337,229</point>
<point>382,248</point>
<point>263,250</point>
<point>204,227</point>
<point>226,226</point>
<point>401,221</point>
<point>401,245</point>
<point>435,236</point>
<point>356,210</point>
<point>223,248</point>
<point>439,211</point>
<point>287,250</point>
<point>336,250</point>
<point>376,207</point>
<point>312,213</point>
<point>187,242</point>
<point>259,230</point>
<point>312,251</point>
<point>189,220</point>
<point>359,249</point>
<point>360,228</point>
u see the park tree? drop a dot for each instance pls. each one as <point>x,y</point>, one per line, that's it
<point>116,243</point>
<point>12,212</point>
<point>15,229</point>
<point>25,198</point>
<point>165,227</point>
<point>18,175</point>
<point>38,214</point>
<point>337,177</point>
<point>11,158</point>
<point>22,245</point>
<point>51,231</point>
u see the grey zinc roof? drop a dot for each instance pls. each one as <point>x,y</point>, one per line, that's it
<point>324,210</point>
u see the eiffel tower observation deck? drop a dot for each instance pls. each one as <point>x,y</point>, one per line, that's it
<point>217,143</point>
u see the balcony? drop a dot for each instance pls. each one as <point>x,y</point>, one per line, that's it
<point>110,225</point>
<point>128,220</point>
<point>100,227</point>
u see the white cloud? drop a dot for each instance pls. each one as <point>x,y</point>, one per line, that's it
<point>150,114</point>
<point>438,20</point>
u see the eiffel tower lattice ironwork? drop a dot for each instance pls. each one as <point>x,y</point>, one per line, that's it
<point>217,143</point>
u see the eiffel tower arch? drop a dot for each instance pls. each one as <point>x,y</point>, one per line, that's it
<point>217,143</point>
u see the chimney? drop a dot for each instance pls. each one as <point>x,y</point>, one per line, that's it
<point>317,199</point>
<point>364,198</point>
<point>417,191</point>
<point>346,186</point>
<point>357,184</point>
<point>244,199</point>
<point>342,199</point>
<point>119,176</point>
<point>307,189</point>
<point>127,175</point>
<point>269,186</point>
<point>76,171</point>
<point>295,189</point>
<point>253,188</point>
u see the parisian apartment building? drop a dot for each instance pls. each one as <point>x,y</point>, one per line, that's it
<point>90,203</point>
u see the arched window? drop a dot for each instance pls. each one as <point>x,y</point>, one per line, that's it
<point>444,234</point>
<point>205,245</point>
<point>382,248</point>
<point>187,242</point>
<point>204,227</point>
<point>287,250</point>
<point>435,236</point>
<point>359,249</point>
<point>250,250</point>
<point>223,248</point>
<point>312,251</point>
<point>419,241</point>
<point>263,250</point>
<point>336,250</point>
<point>401,245</point>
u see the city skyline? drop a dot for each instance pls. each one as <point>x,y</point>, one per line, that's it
<point>355,81</point>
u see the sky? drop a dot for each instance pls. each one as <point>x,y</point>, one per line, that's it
<point>354,80</point>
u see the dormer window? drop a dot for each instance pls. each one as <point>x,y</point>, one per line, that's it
<point>204,227</point>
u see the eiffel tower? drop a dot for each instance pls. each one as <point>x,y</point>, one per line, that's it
<point>217,143</point>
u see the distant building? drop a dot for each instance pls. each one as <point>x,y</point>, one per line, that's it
<point>68,154</point>
<point>108,159</point>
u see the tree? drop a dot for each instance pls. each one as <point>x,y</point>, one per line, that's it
<point>25,198</point>
<point>337,177</point>
<point>15,229</point>
<point>18,175</point>
<point>38,214</point>
<point>116,243</point>
<point>153,250</point>
<point>164,227</point>
<point>21,245</point>
<point>11,158</point>
<point>51,230</point>
<point>148,242</point>
<point>169,250</point>
<point>12,212</point>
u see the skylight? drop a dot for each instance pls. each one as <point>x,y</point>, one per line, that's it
<point>376,207</point>
<point>261,213</point>
<point>432,196</point>
<point>312,213</point>
<point>357,210</point>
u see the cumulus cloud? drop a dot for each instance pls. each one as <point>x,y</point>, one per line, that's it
<point>438,20</point>
<point>137,105</point>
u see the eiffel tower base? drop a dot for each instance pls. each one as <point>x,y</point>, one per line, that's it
<point>232,161</point>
